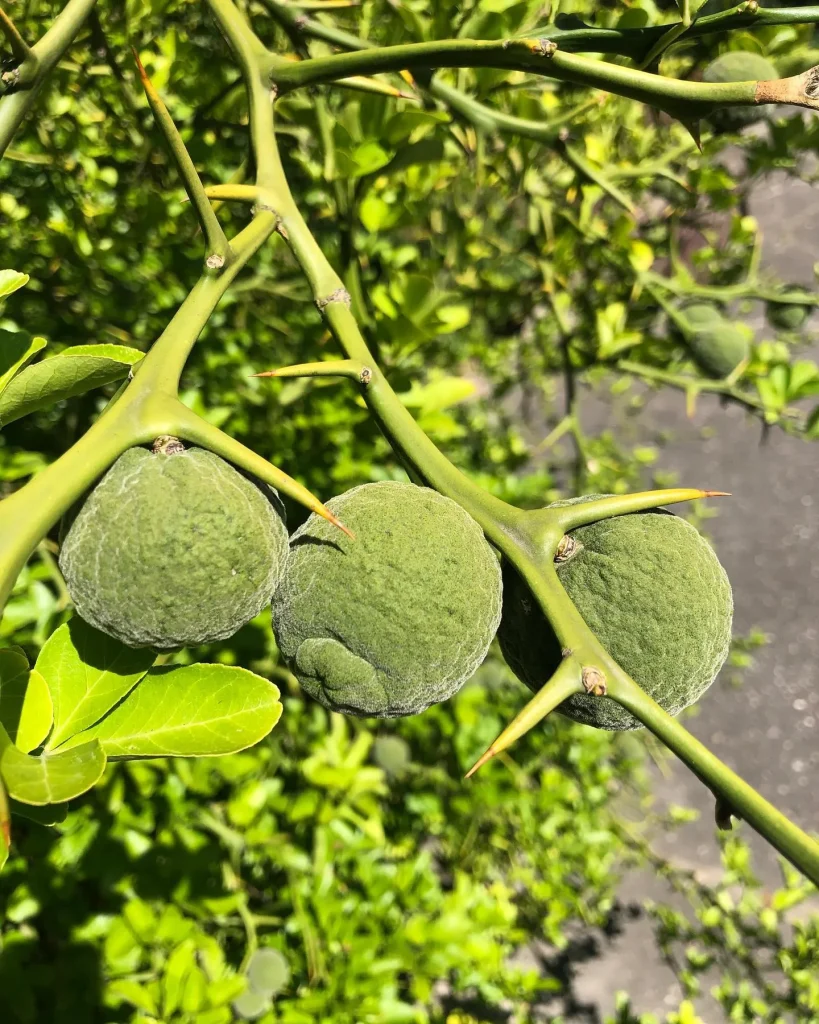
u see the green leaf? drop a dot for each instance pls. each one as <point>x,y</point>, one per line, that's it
<point>376,214</point>
<point>72,372</point>
<point>25,703</point>
<point>401,125</point>
<point>10,281</point>
<point>87,673</point>
<point>50,778</point>
<point>16,349</point>
<point>425,151</point>
<point>191,711</point>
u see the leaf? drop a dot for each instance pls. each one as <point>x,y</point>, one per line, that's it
<point>72,372</point>
<point>25,703</point>
<point>16,349</point>
<point>10,281</point>
<point>425,151</point>
<point>87,673</point>
<point>401,125</point>
<point>191,711</point>
<point>377,214</point>
<point>49,778</point>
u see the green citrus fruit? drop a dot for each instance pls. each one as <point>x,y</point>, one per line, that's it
<point>397,619</point>
<point>174,549</point>
<point>653,592</point>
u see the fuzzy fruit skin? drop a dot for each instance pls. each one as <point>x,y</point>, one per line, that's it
<point>739,66</point>
<point>397,619</point>
<point>174,550</point>
<point>718,348</point>
<point>655,595</point>
<point>787,316</point>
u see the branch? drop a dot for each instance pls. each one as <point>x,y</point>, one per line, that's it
<point>218,247</point>
<point>681,99</point>
<point>28,78</point>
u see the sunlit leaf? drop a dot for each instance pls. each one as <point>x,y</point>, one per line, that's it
<point>10,281</point>
<point>72,372</point>
<point>87,672</point>
<point>25,703</point>
<point>49,778</point>
<point>16,349</point>
<point>191,711</point>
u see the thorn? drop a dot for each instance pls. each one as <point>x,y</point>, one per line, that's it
<point>267,373</point>
<point>693,129</point>
<point>717,494</point>
<point>486,756</point>
<point>328,515</point>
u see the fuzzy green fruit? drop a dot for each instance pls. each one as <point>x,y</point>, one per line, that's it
<point>718,348</point>
<point>739,66</point>
<point>652,591</point>
<point>397,619</point>
<point>787,316</point>
<point>173,550</point>
<point>697,316</point>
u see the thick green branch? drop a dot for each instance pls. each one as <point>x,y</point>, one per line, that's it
<point>27,79</point>
<point>543,57</point>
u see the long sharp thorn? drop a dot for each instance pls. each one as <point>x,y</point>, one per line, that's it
<point>566,681</point>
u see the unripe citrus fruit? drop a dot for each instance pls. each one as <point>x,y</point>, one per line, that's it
<point>174,548</point>
<point>397,619</point>
<point>653,592</point>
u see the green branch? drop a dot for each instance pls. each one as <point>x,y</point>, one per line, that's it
<point>682,99</point>
<point>26,80</point>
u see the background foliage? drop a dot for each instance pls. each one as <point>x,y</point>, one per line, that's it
<point>500,279</point>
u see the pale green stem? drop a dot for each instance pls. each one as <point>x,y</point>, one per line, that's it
<point>28,78</point>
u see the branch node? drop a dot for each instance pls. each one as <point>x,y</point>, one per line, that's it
<point>594,682</point>
<point>301,21</point>
<point>365,376</point>
<point>544,48</point>
<point>215,261</point>
<point>566,549</point>
<point>339,295</point>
